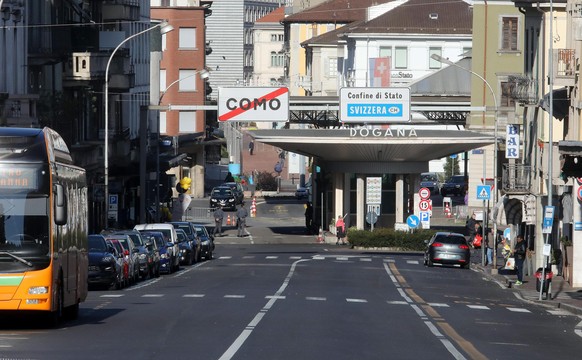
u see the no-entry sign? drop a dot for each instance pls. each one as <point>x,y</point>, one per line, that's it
<point>253,104</point>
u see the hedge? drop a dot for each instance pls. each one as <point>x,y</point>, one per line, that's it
<point>390,238</point>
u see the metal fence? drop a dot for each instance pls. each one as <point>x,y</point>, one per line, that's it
<point>200,214</point>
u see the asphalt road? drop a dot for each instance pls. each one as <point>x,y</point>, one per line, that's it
<point>276,294</point>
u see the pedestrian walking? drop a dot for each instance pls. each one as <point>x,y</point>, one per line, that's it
<point>218,218</point>
<point>340,228</point>
<point>229,177</point>
<point>251,147</point>
<point>489,247</point>
<point>241,218</point>
<point>308,216</point>
<point>470,227</point>
<point>519,252</point>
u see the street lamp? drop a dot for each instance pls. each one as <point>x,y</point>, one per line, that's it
<point>204,74</point>
<point>449,62</point>
<point>164,28</point>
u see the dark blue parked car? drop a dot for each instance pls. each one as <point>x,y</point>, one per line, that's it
<point>160,242</point>
<point>103,269</point>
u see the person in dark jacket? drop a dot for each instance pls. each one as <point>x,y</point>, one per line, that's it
<point>470,227</point>
<point>218,217</point>
<point>241,218</point>
<point>519,252</point>
<point>229,177</point>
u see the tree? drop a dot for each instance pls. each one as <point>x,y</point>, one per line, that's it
<point>451,167</point>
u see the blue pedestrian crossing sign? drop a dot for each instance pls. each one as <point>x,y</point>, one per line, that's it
<point>483,192</point>
<point>413,221</point>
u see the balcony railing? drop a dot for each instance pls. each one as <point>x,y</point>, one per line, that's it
<point>517,179</point>
<point>564,68</point>
<point>524,89</point>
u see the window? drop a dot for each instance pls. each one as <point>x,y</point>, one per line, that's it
<point>277,60</point>
<point>162,80</point>
<point>187,38</point>
<point>331,68</point>
<point>187,80</point>
<point>385,52</point>
<point>432,63</point>
<point>187,122</point>
<point>506,99</point>
<point>509,35</point>
<point>273,37</point>
<point>163,122</point>
<point>401,58</point>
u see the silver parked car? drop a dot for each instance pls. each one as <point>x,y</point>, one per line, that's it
<point>447,248</point>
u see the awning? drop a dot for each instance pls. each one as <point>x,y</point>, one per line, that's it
<point>561,100</point>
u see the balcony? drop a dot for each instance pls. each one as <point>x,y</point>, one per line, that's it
<point>516,179</point>
<point>524,89</point>
<point>91,66</point>
<point>564,69</point>
<point>114,10</point>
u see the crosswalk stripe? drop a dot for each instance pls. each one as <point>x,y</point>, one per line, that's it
<point>478,307</point>
<point>518,310</point>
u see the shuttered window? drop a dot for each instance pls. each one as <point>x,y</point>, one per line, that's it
<point>509,33</point>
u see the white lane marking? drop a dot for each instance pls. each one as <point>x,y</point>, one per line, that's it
<point>275,297</point>
<point>415,262</point>
<point>144,284</point>
<point>559,312</point>
<point>112,295</point>
<point>152,295</point>
<point>366,259</point>
<point>248,257</point>
<point>240,340</point>
<point>356,300</point>
<point>193,295</point>
<point>318,257</point>
<point>294,257</point>
<point>234,296</point>
<point>397,302</point>
<point>438,305</point>
<point>478,307</point>
<point>271,257</point>
<point>315,298</point>
<point>518,310</point>
<point>578,329</point>
<point>447,344</point>
<point>342,258</point>
<point>225,257</point>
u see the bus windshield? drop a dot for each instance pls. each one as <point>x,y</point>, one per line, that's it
<point>24,232</point>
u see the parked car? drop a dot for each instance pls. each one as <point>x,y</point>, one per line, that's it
<point>122,263</point>
<point>430,180</point>
<point>206,241</point>
<point>161,246</point>
<point>301,193</point>
<point>224,197</point>
<point>192,235</point>
<point>146,254</point>
<point>132,253</point>
<point>170,237</point>
<point>455,185</point>
<point>103,267</point>
<point>187,252</point>
<point>447,248</point>
<point>237,190</point>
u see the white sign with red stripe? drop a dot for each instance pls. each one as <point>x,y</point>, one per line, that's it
<point>253,104</point>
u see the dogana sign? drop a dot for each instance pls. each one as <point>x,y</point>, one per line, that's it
<point>253,104</point>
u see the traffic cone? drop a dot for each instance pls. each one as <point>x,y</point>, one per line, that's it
<point>254,207</point>
<point>228,220</point>
<point>447,210</point>
<point>320,238</point>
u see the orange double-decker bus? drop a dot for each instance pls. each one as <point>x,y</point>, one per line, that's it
<point>43,224</point>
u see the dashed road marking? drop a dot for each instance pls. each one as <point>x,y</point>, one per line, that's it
<point>356,300</point>
<point>522,310</point>
<point>193,295</point>
<point>111,295</point>
<point>478,307</point>
<point>234,296</point>
<point>315,298</point>
<point>152,295</point>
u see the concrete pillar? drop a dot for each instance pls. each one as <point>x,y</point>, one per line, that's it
<point>197,176</point>
<point>338,198</point>
<point>400,203</point>
<point>413,197</point>
<point>360,201</point>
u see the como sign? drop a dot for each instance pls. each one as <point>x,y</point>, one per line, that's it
<point>374,105</point>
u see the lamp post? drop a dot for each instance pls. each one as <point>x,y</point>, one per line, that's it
<point>449,62</point>
<point>204,74</point>
<point>164,28</point>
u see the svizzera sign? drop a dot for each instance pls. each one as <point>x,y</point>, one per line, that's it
<point>253,104</point>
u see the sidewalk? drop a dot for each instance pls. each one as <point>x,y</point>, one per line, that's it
<point>561,294</point>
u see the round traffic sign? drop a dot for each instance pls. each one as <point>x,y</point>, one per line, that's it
<point>424,205</point>
<point>579,193</point>
<point>371,217</point>
<point>424,193</point>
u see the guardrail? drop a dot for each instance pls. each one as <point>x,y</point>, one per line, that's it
<point>194,213</point>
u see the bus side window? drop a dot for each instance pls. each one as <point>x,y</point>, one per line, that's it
<point>60,205</point>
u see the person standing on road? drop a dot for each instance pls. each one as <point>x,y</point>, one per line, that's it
<point>519,252</point>
<point>241,217</point>
<point>308,216</point>
<point>218,217</point>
